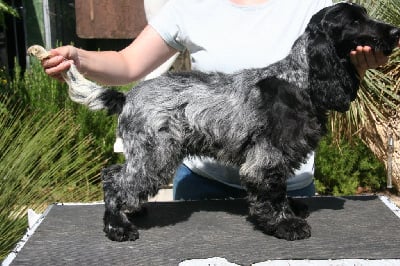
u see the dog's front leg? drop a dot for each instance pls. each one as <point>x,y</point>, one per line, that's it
<point>269,208</point>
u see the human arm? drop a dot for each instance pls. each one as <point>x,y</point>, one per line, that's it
<point>143,55</point>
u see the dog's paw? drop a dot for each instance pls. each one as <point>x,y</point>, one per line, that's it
<point>119,233</point>
<point>293,229</point>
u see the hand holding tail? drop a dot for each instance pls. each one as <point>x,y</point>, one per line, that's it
<point>82,90</point>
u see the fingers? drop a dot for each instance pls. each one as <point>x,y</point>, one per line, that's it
<point>68,52</point>
<point>55,65</point>
<point>364,58</point>
<point>60,60</point>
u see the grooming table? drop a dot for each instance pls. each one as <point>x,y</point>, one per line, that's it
<point>361,229</point>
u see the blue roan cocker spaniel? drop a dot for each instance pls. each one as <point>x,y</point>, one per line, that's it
<point>266,121</point>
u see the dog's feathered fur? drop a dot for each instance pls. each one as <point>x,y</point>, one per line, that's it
<point>264,120</point>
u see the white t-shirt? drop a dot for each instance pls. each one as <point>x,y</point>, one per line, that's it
<point>226,37</point>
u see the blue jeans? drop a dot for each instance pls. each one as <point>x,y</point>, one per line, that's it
<point>191,186</point>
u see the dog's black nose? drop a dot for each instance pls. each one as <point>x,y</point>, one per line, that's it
<point>395,33</point>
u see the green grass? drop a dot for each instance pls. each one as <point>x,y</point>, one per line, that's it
<point>41,163</point>
<point>41,92</point>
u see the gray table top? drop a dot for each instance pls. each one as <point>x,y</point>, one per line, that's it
<point>360,227</point>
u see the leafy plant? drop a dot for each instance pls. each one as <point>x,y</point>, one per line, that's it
<point>6,9</point>
<point>340,168</point>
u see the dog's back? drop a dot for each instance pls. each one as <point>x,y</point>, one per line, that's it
<point>194,108</point>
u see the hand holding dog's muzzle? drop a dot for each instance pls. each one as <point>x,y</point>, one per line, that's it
<point>364,58</point>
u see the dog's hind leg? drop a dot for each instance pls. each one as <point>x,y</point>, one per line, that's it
<point>269,208</point>
<point>148,167</point>
<point>116,223</point>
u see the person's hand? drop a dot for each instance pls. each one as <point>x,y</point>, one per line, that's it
<point>60,61</point>
<point>364,58</point>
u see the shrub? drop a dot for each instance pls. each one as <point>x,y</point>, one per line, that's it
<point>341,168</point>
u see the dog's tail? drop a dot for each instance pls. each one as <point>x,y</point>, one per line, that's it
<point>92,95</point>
<point>84,91</point>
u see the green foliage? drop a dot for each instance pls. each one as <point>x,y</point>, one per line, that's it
<point>41,163</point>
<point>341,169</point>
<point>40,92</point>
<point>6,9</point>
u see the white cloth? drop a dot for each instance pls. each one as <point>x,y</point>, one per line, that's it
<point>226,37</point>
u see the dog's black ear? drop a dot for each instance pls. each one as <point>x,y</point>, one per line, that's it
<point>329,23</point>
<point>333,80</point>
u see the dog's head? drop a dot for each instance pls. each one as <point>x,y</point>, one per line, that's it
<point>348,26</point>
<point>334,32</point>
